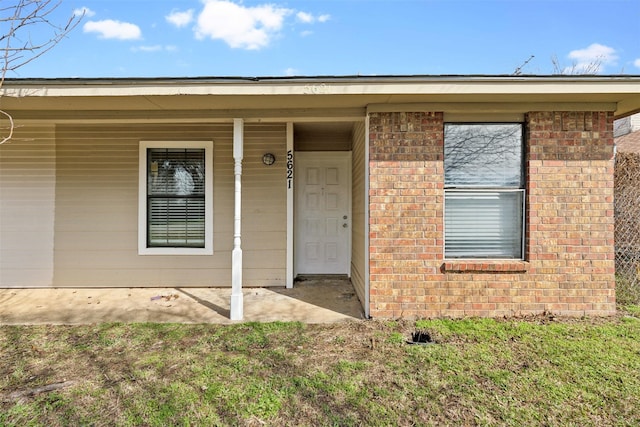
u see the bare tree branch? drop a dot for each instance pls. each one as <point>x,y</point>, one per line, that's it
<point>591,68</point>
<point>10,128</point>
<point>19,46</point>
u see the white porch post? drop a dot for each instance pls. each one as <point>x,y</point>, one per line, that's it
<point>236,312</point>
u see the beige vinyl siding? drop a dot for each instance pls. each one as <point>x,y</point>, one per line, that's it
<point>358,240</point>
<point>264,206</point>
<point>96,227</point>
<point>27,198</point>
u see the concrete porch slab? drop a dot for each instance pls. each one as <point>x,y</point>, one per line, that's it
<point>311,301</point>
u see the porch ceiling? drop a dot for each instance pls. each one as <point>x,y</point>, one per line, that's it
<point>60,99</point>
<point>333,129</point>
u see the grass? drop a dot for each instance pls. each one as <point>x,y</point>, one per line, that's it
<point>531,371</point>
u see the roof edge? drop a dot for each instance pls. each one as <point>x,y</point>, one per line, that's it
<point>390,78</point>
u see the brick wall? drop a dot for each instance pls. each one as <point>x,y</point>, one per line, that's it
<point>570,211</point>
<point>569,266</point>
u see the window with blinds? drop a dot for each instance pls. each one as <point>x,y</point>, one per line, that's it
<point>175,197</point>
<point>484,191</point>
<point>175,213</point>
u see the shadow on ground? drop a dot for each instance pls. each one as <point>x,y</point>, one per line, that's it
<point>312,300</point>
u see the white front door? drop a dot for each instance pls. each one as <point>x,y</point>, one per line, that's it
<point>323,213</point>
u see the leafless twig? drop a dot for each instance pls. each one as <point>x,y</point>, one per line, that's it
<point>591,68</point>
<point>19,46</point>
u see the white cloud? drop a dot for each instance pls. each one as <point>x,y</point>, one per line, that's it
<point>180,19</point>
<point>154,48</point>
<point>305,17</point>
<point>593,58</point>
<point>308,18</point>
<point>84,11</point>
<point>306,33</point>
<point>290,72</point>
<point>241,27</point>
<point>637,62</point>
<point>110,29</point>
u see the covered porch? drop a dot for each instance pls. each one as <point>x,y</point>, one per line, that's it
<point>83,183</point>
<point>317,300</point>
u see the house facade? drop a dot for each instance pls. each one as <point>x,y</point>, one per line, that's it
<point>437,196</point>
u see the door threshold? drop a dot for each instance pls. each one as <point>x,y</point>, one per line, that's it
<point>306,277</point>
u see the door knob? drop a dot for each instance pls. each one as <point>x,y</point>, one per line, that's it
<point>344,225</point>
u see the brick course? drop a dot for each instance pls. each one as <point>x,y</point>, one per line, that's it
<point>569,262</point>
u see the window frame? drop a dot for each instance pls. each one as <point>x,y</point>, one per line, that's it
<point>488,190</point>
<point>143,248</point>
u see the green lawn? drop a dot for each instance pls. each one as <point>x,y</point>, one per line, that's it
<point>520,372</point>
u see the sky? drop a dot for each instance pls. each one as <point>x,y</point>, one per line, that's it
<point>220,38</point>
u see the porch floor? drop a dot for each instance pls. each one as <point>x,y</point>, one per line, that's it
<point>318,300</point>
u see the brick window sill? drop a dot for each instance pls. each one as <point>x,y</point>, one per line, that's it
<point>485,266</point>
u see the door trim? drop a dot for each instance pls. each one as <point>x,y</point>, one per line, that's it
<point>300,157</point>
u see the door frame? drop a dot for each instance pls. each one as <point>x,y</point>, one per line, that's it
<point>338,155</point>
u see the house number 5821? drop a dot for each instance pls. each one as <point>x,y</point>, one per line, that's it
<point>290,169</point>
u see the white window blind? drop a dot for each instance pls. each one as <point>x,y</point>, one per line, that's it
<point>483,224</point>
<point>176,197</point>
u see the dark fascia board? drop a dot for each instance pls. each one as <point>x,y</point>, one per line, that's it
<point>471,78</point>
